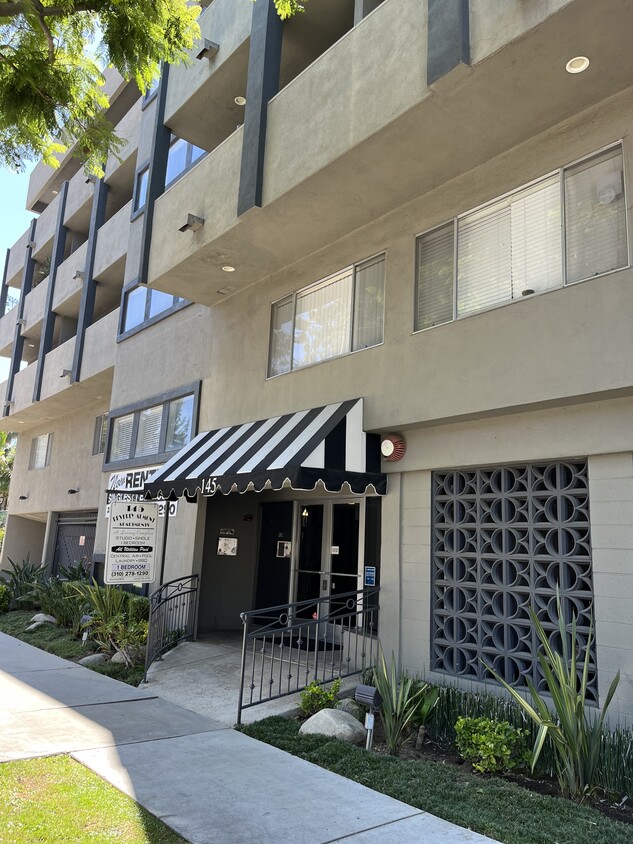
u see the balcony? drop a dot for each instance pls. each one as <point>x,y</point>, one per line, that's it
<point>200,103</point>
<point>69,283</point>
<point>359,133</point>
<point>111,249</point>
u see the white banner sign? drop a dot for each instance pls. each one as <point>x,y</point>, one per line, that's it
<point>130,485</point>
<point>132,542</point>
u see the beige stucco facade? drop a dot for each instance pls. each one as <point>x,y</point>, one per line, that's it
<point>362,154</point>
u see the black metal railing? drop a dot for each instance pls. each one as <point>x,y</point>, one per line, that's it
<point>287,647</point>
<point>173,608</point>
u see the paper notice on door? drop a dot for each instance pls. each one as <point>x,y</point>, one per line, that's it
<point>334,549</point>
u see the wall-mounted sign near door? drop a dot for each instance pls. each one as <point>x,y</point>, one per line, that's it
<point>227,546</point>
<point>370,575</point>
<point>284,549</point>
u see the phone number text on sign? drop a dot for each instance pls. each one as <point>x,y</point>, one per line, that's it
<point>132,542</point>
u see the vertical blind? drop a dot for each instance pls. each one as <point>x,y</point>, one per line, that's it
<point>514,246</point>
<point>322,321</point>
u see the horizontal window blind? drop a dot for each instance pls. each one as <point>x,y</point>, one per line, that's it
<point>514,246</point>
<point>148,437</point>
<point>121,437</point>
<point>435,270</point>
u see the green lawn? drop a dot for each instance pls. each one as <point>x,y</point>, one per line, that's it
<point>56,800</point>
<point>493,807</point>
<point>59,641</point>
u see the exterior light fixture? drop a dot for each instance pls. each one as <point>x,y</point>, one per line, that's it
<point>527,292</point>
<point>304,516</point>
<point>21,322</point>
<point>55,192</point>
<point>31,345</point>
<point>209,50</point>
<point>192,224</point>
<point>577,64</point>
<point>73,491</point>
<point>240,101</point>
<point>23,497</point>
<point>30,244</point>
<point>224,291</point>
<point>9,403</point>
<point>78,274</point>
<point>65,373</point>
<point>227,268</point>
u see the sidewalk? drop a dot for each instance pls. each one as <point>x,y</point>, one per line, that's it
<point>211,784</point>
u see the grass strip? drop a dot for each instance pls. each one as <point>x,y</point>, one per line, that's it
<point>60,641</point>
<point>56,799</point>
<point>496,808</point>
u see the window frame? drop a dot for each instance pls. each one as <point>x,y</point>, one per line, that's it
<point>189,162</point>
<point>100,435</point>
<point>454,222</point>
<point>122,332</point>
<point>293,296</point>
<point>164,399</point>
<point>137,209</point>
<point>47,456</point>
<point>150,95</point>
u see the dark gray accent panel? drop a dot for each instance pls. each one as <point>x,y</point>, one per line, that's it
<point>4,290</point>
<point>89,290</point>
<point>59,245</point>
<point>362,8</point>
<point>18,342</point>
<point>157,172</point>
<point>264,62</point>
<point>503,540</point>
<point>449,37</point>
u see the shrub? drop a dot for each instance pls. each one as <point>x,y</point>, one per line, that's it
<point>401,698</point>
<point>316,697</point>
<point>57,598</point>
<point>137,607</point>
<point>576,734</point>
<point>491,745</point>
<point>5,597</point>
<point>21,579</point>
<point>79,571</point>
<point>111,624</point>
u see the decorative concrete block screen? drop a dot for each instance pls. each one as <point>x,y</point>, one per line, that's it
<point>503,539</point>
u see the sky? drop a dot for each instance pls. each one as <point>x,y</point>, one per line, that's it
<point>14,220</point>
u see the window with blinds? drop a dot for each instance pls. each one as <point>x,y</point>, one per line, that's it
<point>515,246</point>
<point>152,430</point>
<point>40,451</point>
<point>341,314</point>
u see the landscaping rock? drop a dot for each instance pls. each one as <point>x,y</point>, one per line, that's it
<point>42,618</point>
<point>118,658</point>
<point>94,659</point>
<point>354,709</point>
<point>336,724</point>
<point>35,625</point>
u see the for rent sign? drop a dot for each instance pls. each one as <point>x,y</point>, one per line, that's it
<point>132,541</point>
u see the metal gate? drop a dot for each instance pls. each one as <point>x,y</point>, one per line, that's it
<point>173,609</point>
<point>287,647</point>
<point>75,538</point>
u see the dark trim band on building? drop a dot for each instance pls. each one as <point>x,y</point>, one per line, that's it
<point>57,258</point>
<point>157,173</point>
<point>18,343</point>
<point>449,37</point>
<point>264,65</point>
<point>89,289</point>
<point>4,290</point>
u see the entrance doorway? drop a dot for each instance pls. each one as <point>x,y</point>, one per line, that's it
<point>332,544</point>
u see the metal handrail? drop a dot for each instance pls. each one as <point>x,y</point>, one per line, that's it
<point>173,610</point>
<point>283,650</point>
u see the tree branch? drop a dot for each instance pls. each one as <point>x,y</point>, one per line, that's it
<point>12,10</point>
<point>44,27</point>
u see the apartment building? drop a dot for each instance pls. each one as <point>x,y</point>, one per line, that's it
<point>356,295</point>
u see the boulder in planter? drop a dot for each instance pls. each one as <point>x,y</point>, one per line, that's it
<point>335,724</point>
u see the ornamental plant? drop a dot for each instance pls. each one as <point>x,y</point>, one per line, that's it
<point>316,697</point>
<point>401,700</point>
<point>491,746</point>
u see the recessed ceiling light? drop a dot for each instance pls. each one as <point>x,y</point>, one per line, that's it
<point>227,268</point>
<point>31,345</point>
<point>55,192</point>
<point>241,101</point>
<point>577,64</point>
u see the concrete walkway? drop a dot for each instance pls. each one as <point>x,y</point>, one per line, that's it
<point>210,783</point>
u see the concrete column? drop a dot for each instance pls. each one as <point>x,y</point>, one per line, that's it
<point>89,289</point>
<point>4,289</point>
<point>18,342</point>
<point>264,64</point>
<point>449,37</point>
<point>59,246</point>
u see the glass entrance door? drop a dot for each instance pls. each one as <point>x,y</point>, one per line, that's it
<point>330,551</point>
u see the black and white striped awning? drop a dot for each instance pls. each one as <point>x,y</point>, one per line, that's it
<point>324,445</point>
